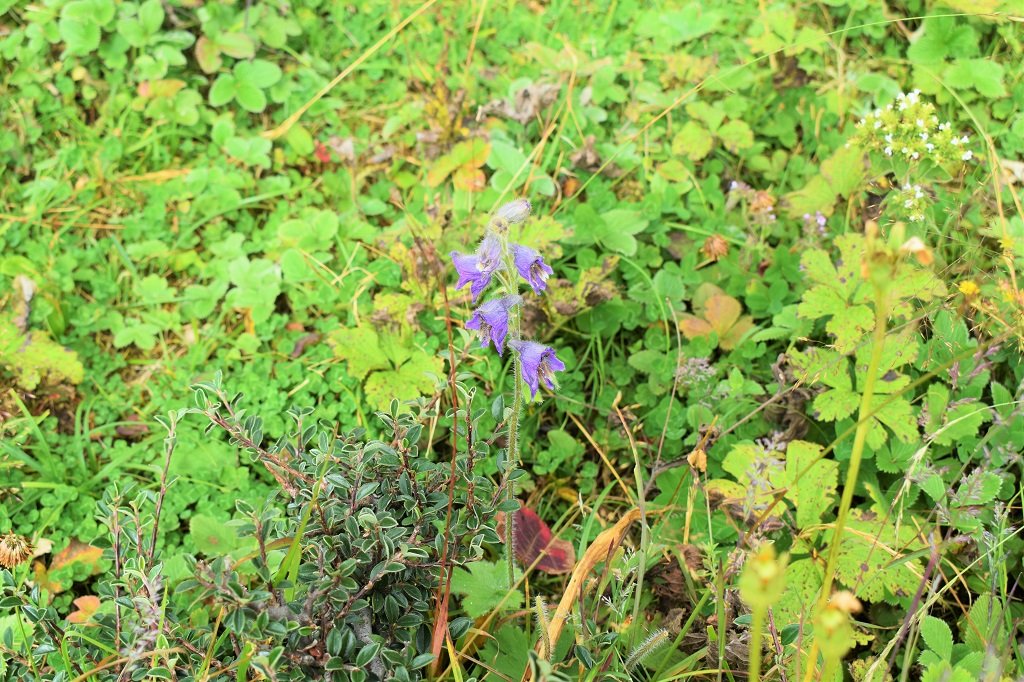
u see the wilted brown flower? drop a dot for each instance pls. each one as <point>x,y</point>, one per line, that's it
<point>715,247</point>
<point>14,549</point>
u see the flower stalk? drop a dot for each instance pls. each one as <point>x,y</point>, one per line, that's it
<point>499,321</point>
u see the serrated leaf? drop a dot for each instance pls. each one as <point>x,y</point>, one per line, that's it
<point>360,346</point>
<point>811,486</point>
<point>483,587</point>
<point>937,636</point>
<point>692,141</point>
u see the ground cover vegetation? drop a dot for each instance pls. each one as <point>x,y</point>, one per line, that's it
<point>496,340</point>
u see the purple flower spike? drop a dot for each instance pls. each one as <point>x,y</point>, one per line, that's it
<point>476,269</point>
<point>538,362</point>
<point>491,321</point>
<point>531,266</point>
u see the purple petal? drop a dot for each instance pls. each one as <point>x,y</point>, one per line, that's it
<point>470,272</point>
<point>491,320</point>
<point>531,266</point>
<point>538,362</point>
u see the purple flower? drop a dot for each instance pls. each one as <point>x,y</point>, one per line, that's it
<point>538,362</point>
<point>491,321</point>
<point>531,266</point>
<point>476,269</point>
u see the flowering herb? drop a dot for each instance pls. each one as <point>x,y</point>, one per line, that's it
<point>913,142</point>
<point>498,321</point>
<point>538,362</point>
<point>491,321</point>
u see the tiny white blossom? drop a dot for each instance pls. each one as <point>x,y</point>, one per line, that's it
<point>924,136</point>
<point>920,123</point>
<point>888,138</point>
<point>915,156</point>
<point>964,139</point>
<point>967,155</point>
<point>888,151</point>
<point>930,147</point>
<point>878,124</point>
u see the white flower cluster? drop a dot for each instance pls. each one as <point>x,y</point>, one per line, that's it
<point>909,129</point>
<point>913,201</point>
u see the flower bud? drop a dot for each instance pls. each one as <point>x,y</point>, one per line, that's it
<point>515,211</point>
<point>763,578</point>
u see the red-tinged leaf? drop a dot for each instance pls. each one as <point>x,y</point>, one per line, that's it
<point>78,551</point>
<point>533,539</point>
<point>322,153</point>
<point>87,606</point>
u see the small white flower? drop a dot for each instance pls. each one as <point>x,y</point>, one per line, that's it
<point>878,124</point>
<point>888,151</point>
<point>902,106</point>
<point>924,136</point>
<point>916,217</point>
<point>906,187</point>
<point>888,138</point>
<point>964,139</point>
<point>905,150</point>
<point>967,155</point>
<point>920,123</point>
<point>908,203</point>
<point>944,126</point>
<point>955,141</point>
<point>930,147</point>
<point>917,192</point>
<point>915,156</point>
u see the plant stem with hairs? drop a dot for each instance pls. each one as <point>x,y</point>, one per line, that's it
<point>512,457</point>
<point>860,435</point>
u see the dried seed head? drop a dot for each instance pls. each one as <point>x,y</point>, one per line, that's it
<point>14,549</point>
<point>845,601</point>
<point>715,247</point>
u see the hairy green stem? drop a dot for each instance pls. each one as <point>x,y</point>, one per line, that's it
<point>512,450</point>
<point>859,437</point>
<point>757,616</point>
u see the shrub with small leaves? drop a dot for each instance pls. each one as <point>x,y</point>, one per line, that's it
<point>338,583</point>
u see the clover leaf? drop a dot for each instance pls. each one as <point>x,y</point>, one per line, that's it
<point>245,85</point>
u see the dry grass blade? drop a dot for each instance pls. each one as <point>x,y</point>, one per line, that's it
<point>603,546</point>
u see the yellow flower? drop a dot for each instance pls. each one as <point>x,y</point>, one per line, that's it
<point>968,288</point>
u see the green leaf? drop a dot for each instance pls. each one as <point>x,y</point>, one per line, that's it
<point>223,90</point>
<point>736,135</point>
<point>34,358</point>
<point>483,587</point>
<point>409,381</point>
<point>212,537</point>
<point>258,73</point>
<point>984,75</point>
<point>79,36</point>
<point>151,14</point>
<point>804,578</point>
<point>943,37</point>
<point>811,487</point>
<point>250,97</point>
<point>693,141</point>
<point>361,347</point>
<point>937,636</point>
